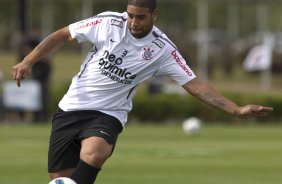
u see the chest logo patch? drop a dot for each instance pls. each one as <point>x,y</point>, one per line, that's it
<point>147,53</point>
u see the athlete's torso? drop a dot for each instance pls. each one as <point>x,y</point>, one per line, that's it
<point>118,63</point>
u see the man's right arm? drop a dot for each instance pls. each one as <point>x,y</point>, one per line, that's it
<point>48,45</point>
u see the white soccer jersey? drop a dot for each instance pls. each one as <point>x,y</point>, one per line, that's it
<point>118,63</point>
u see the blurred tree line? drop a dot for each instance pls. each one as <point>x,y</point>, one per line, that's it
<point>176,16</point>
<point>232,24</point>
<point>232,28</point>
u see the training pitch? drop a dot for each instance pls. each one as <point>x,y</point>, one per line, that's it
<point>158,154</point>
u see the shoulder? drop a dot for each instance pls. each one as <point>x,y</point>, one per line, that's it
<point>114,19</point>
<point>111,18</point>
<point>110,15</point>
<point>161,40</point>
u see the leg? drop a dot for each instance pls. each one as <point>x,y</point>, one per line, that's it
<point>63,173</point>
<point>80,151</point>
<point>94,152</point>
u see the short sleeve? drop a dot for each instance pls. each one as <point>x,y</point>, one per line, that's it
<point>175,67</point>
<point>87,30</point>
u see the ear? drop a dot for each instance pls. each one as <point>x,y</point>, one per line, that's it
<point>155,14</point>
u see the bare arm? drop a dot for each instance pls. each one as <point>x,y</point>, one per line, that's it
<point>207,94</point>
<point>48,45</point>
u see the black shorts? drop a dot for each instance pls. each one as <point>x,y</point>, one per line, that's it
<point>70,128</point>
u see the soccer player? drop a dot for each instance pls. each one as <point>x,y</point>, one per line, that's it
<point>127,49</point>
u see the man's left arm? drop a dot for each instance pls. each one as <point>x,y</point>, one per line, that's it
<point>204,92</point>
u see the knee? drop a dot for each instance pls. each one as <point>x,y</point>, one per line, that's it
<point>96,159</point>
<point>52,176</point>
<point>63,173</point>
<point>95,151</point>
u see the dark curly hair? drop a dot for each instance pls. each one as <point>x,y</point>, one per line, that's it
<point>151,4</point>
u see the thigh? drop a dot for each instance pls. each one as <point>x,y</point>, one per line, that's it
<point>69,129</point>
<point>103,126</point>
<point>95,151</point>
<point>64,146</point>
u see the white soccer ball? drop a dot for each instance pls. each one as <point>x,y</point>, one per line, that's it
<point>62,180</point>
<point>191,125</point>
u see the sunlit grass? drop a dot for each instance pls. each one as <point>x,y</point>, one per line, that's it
<point>159,154</point>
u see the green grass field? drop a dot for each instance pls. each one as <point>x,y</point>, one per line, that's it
<point>158,154</point>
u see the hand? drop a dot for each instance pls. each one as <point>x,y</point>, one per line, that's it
<point>250,111</point>
<point>20,71</point>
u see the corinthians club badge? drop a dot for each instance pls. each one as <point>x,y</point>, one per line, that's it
<point>147,53</point>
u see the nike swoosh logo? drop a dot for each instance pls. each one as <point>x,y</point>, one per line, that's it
<point>102,132</point>
<point>113,41</point>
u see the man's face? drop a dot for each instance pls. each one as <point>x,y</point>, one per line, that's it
<point>140,20</point>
